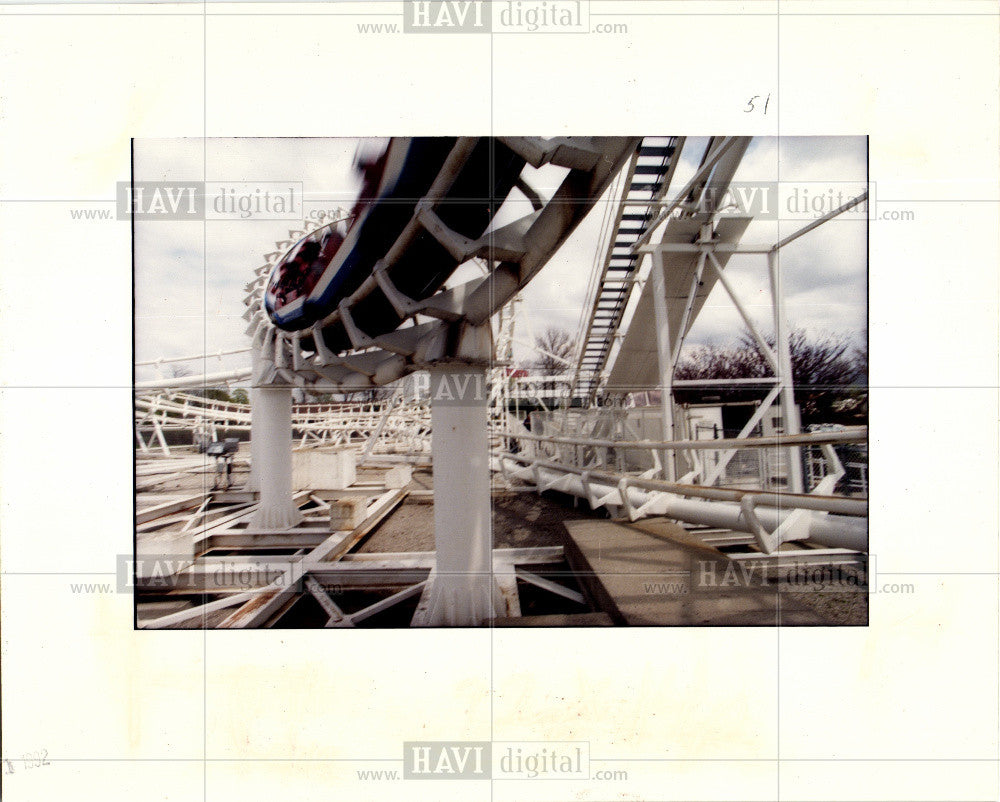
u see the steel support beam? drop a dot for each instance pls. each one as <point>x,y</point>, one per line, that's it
<point>796,520</point>
<point>664,353</point>
<point>783,353</point>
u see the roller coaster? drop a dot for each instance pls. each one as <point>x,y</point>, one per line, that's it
<point>431,213</point>
<point>367,300</point>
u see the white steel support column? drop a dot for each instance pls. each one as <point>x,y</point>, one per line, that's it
<point>789,413</point>
<point>272,432</point>
<point>664,353</point>
<point>159,436</point>
<point>463,591</point>
<point>255,459</point>
<point>157,430</point>
<point>692,294</point>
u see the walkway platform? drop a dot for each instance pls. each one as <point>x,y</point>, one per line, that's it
<point>654,573</point>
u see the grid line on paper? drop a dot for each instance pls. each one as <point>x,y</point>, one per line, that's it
<point>600,201</point>
<point>620,14</point>
<point>777,293</point>
<point>603,573</point>
<point>204,372</point>
<point>592,759</point>
<point>129,387</point>
<point>492,628</point>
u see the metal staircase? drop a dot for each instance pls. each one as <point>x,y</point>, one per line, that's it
<point>647,180</point>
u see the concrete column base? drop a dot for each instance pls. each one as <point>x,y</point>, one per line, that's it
<point>463,600</point>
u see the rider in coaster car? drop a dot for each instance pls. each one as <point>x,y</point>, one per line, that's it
<point>371,170</point>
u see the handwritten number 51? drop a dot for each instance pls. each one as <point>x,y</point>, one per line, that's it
<point>752,104</point>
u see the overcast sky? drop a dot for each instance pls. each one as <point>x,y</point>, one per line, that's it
<point>189,276</point>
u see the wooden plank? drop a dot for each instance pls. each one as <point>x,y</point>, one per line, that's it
<point>201,513</point>
<point>207,524</point>
<point>246,512</point>
<point>357,489</point>
<point>643,579</point>
<point>210,529</point>
<point>213,517</point>
<point>242,540</point>
<point>571,620</point>
<point>280,593</point>
<point>337,573</point>
<point>236,496</point>
<point>507,583</point>
<point>266,603</point>
<point>229,574</point>
<point>420,615</point>
<point>192,581</point>
<point>384,565</point>
<point>160,523</point>
<point>385,604</point>
<point>400,559</point>
<point>182,617</point>
<point>152,513</point>
<point>537,555</point>
<point>173,465</point>
<point>550,586</point>
<point>323,505</point>
<point>335,614</point>
<point>146,484</point>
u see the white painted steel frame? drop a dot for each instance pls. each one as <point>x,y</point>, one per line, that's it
<point>779,358</point>
<point>772,518</point>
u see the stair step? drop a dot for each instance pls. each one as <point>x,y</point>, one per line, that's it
<point>660,151</point>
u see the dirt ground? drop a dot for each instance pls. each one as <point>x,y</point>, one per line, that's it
<point>838,609</point>
<point>519,520</point>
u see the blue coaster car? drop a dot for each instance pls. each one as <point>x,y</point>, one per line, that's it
<point>329,264</point>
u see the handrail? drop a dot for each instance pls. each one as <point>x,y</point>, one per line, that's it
<point>762,498</point>
<point>854,434</point>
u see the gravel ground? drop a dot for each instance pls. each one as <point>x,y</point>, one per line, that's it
<point>519,520</point>
<point>838,607</point>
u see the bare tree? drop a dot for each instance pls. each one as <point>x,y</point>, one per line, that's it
<point>861,359</point>
<point>829,371</point>
<point>555,351</point>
